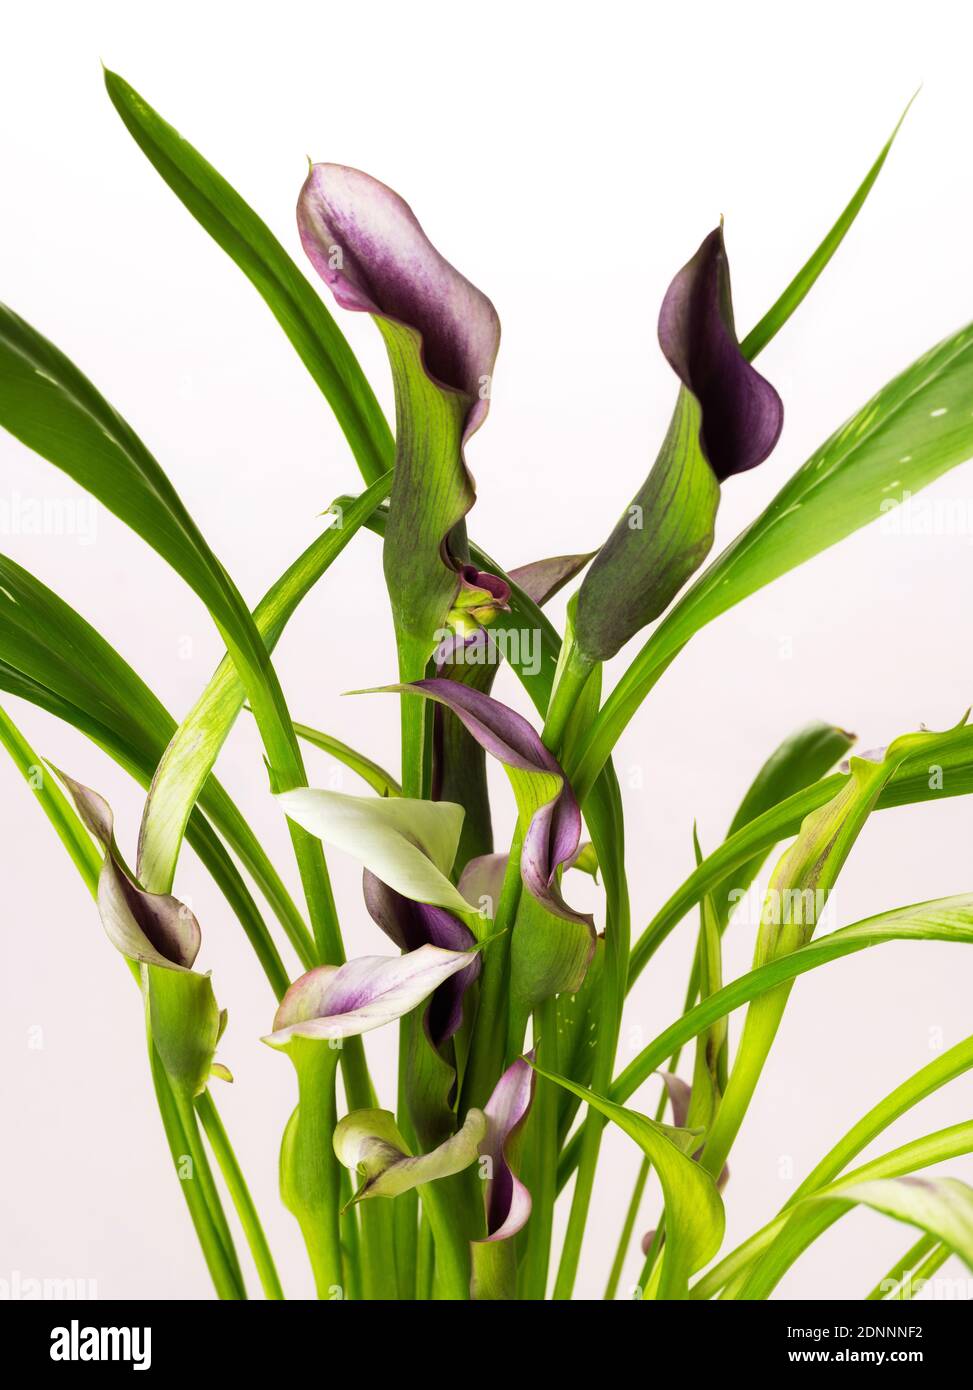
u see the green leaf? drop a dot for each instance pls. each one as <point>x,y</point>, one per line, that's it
<point>915,429</point>
<point>947,771</point>
<point>194,747</point>
<point>802,759</point>
<point>933,1208</point>
<point>943,1207</point>
<point>376,777</point>
<point>53,802</point>
<point>796,894</point>
<point>52,657</point>
<point>369,1143</point>
<point>781,310</point>
<point>941,919</point>
<point>693,1208</point>
<point>235,227</point>
<point>939,1072</point>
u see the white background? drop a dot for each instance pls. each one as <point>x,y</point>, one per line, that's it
<point>568,158</point>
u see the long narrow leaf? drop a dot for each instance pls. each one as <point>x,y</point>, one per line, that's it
<point>298,309</point>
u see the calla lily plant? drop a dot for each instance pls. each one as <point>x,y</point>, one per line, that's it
<point>502,971</point>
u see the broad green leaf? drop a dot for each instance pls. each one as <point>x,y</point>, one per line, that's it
<point>376,777</point>
<point>947,772</point>
<point>693,1207</point>
<point>941,1206</point>
<point>236,228</point>
<point>193,748</point>
<point>52,408</point>
<point>369,1143</point>
<point>407,843</point>
<point>932,1207</point>
<point>915,429</point>
<point>954,1062</point>
<point>802,759</point>
<point>796,896</point>
<point>942,919</point>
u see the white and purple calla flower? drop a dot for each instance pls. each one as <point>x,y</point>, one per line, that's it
<point>332,1002</point>
<point>412,925</point>
<point>160,935</point>
<point>508,1202</point>
<point>552,833</point>
<point>151,928</point>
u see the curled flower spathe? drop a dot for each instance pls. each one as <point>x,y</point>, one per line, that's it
<point>442,336</point>
<point>366,243</point>
<point>727,420</point>
<point>412,925</point>
<point>161,936</point>
<point>368,1142</point>
<point>332,1002</point>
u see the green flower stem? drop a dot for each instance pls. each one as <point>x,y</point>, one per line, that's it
<point>617,940</point>
<point>540,1166</point>
<point>351,1261</point>
<point>223,1268</point>
<point>310,1176</point>
<point>240,1194</point>
<point>573,671</point>
<point>624,1240</point>
<point>226,1279</point>
<point>446,1209</point>
<point>489,1043</point>
<point>426,1257</point>
<point>203,1174</point>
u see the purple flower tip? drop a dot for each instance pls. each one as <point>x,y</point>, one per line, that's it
<point>366,244</point>
<point>742,414</point>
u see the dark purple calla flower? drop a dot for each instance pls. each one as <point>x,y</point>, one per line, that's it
<point>367,245</point>
<point>508,1202</point>
<point>411,925</point>
<point>553,834</point>
<point>442,335</point>
<point>742,414</point>
<point>727,419</point>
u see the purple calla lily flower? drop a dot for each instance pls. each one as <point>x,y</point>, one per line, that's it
<point>342,1001</point>
<point>154,928</point>
<point>742,414</point>
<point>508,1202</point>
<point>442,334</point>
<point>727,420</point>
<point>553,835</point>
<point>411,925</point>
<point>367,245</point>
